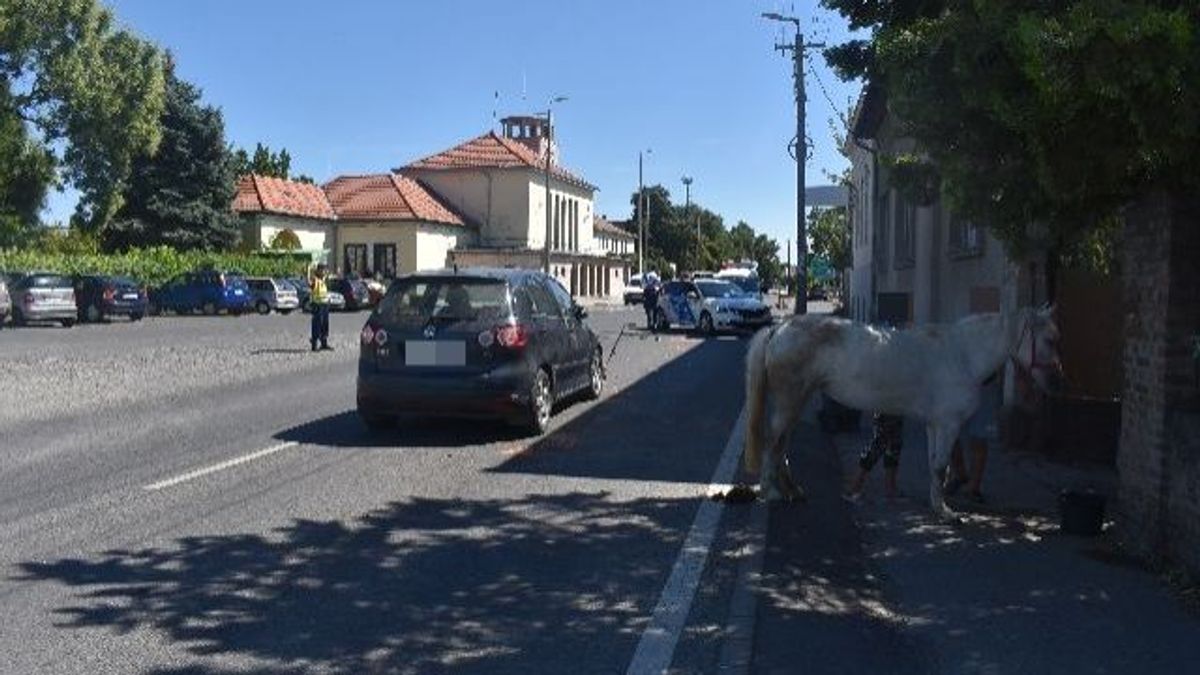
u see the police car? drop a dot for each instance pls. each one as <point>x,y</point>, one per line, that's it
<point>708,306</point>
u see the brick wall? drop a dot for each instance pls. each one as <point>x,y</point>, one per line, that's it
<point>1159,456</point>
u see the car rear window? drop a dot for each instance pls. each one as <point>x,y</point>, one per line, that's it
<point>416,301</point>
<point>48,281</point>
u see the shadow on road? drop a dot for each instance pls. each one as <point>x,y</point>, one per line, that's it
<point>346,430</point>
<point>535,584</point>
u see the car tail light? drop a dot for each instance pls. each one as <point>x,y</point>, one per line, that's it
<point>512,336</point>
<point>109,294</point>
<point>373,335</point>
<point>368,335</point>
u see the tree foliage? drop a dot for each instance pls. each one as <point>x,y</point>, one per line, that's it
<point>692,237</point>
<point>266,162</point>
<point>1039,112</point>
<point>89,87</point>
<point>26,174</point>
<point>830,233</point>
<point>182,195</point>
<point>286,240</point>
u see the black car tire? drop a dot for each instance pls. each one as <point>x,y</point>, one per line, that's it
<point>541,404</point>
<point>262,307</point>
<point>285,312</point>
<point>706,326</point>
<point>94,314</point>
<point>68,323</point>
<point>376,423</point>
<point>136,316</point>
<point>236,312</point>
<point>596,376</point>
<point>208,309</point>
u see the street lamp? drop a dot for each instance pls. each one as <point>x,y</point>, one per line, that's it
<point>687,209</point>
<point>798,50</point>
<point>549,142</point>
<point>642,217</point>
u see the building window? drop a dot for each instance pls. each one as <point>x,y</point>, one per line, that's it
<point>965,239</point>
<point>384,260</point>
<point>557,237</point>
<point>355,258</point>
<point>904,225</point>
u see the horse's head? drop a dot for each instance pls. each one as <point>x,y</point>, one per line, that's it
<point>1036,350</point>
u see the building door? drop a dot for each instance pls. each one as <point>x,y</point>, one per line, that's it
<point>355,259</point>
<point>384,260</point>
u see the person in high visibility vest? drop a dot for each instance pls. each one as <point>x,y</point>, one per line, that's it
<point>319,301</point>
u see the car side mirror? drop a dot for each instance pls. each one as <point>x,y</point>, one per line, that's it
<point>579,311</point>
<point>693,295</point>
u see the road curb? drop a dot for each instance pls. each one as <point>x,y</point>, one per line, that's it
<point>737,651</point>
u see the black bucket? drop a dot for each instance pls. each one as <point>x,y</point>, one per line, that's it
<point>1081,512</point>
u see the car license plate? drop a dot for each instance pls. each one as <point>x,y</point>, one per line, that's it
<point>435,353</point>
<point>130,296</point>
<point>237,291</point>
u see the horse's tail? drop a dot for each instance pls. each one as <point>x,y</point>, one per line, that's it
<point>756,399</point>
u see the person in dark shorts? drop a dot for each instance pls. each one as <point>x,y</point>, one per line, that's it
<point>887,439</point>
<point>977,433</point>
<point>650,301</point>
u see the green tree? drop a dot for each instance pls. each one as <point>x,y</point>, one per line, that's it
<point>26,174</point>
<point>1038,112</point>
<point>89,87</point>
<point>829,231</point>
<point>182,196</point>
<point>285,240</point>
<point>266,162</point>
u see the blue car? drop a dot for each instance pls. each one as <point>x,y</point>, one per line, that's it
<point>209,291</point>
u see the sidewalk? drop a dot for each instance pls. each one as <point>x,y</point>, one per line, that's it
<point>883,587</point>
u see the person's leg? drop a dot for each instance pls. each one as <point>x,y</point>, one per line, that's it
<point>979,453</point>
<point>867,458</point>
<point>325,327</point>
<point>315,326</point>
<point>893,444</point>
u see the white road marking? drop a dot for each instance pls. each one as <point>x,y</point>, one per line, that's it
<point>219,467</point>
<point>657,645</point>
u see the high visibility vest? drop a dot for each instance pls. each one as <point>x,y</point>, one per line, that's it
<point>319,294</point>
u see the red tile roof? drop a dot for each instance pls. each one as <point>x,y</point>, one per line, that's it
<point>387,197</point>
<point>494,152</point>
<point>605,226</point>
<point>265,194</point>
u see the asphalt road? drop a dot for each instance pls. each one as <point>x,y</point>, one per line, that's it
<point>196,495</point>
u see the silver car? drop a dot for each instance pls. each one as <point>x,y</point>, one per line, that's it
<point>269,294</point>
<point>41,296</point>
<point>5,301</point>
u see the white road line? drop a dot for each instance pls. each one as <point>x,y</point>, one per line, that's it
<point>657,646</point>
<point>219,467</point>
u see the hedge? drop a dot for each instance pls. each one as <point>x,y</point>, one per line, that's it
<point>152,266</point>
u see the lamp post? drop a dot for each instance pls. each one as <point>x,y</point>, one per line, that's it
<point>549,216</point>
<point>687,210</point>
<point>798,50</point>
<point>642,218</point>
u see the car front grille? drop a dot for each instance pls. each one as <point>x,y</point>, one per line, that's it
<point>759,313</point>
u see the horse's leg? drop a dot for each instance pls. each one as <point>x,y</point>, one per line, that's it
<point>940,438</point>
<point>784,419</point>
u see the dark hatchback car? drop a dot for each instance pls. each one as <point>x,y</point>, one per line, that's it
<point>356,293</point>
<point>477,342</point>
<point>99,297</point>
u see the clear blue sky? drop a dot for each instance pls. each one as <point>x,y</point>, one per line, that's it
<point>362,86</point>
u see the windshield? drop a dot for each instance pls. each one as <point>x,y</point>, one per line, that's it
<point>719,289</point>
<point>48,281</point>
<point>417,301</point>
<point>749,284</point>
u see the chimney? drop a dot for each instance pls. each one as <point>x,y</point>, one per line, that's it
<point>533,132</point>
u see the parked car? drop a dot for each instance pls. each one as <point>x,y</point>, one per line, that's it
<point>303,292</point>
<point>41,296</point>
<point>99,297</point>
<point>708,306</point>
<point>743,278</point>
<point>476,342</point>
<point>269,294</point>
<point>5,301</point>
<point>633,290</point>
<point>354,291</point>
<point>208,291</point>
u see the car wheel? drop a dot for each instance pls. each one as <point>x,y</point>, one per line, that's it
<point>135,317</point>
<point>94,315</point>
<point>68,323</point>
<point>18,318</point>
<point>706,324</point>
<point>285,312</point>
<point>596,376</point>
<point>541,403</point>
<point>376,423</point>
<point>208,308</point>
<point>262,307</point>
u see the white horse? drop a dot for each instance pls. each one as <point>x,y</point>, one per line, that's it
<point>932,373</point>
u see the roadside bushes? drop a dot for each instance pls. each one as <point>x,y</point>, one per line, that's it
<point>152,266</point>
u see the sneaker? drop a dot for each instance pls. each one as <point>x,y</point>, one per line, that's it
<point>326,348</point>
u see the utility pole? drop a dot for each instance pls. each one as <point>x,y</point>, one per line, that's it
<point>798,49</point>
<point>787,273</point>
<point>687,210</point>
<point>549,216</point>
<point>641,220</point>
